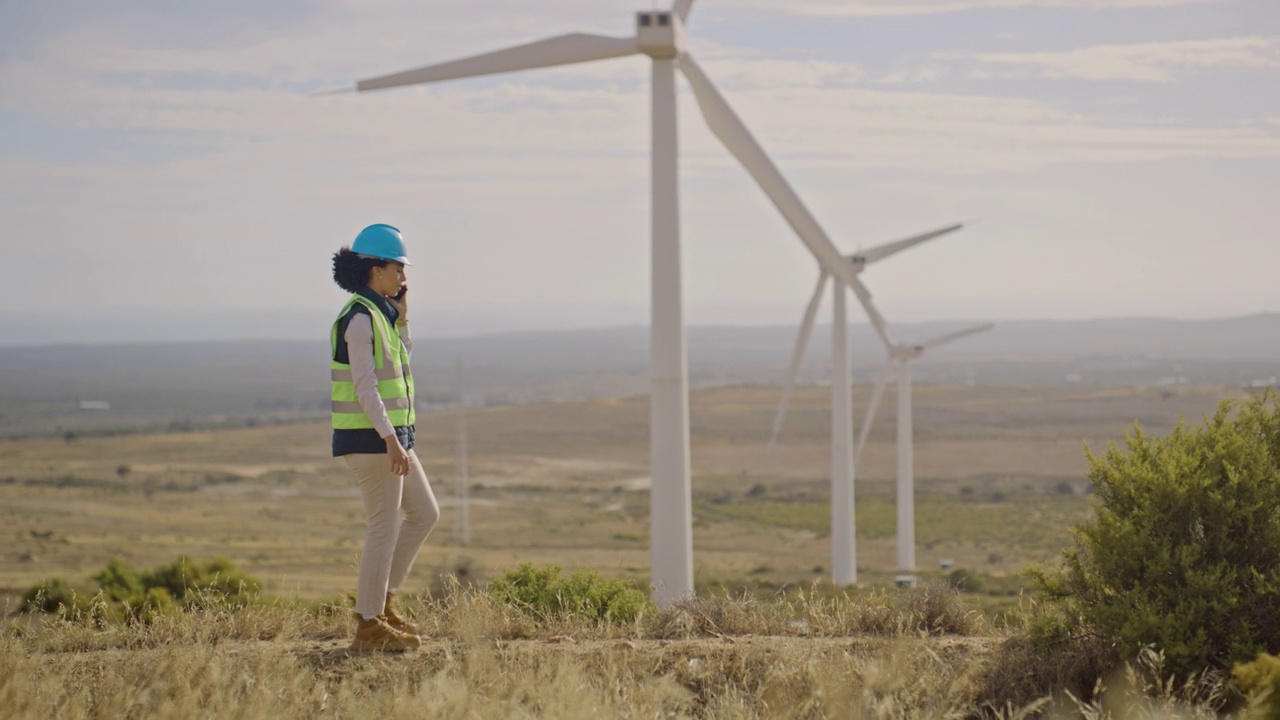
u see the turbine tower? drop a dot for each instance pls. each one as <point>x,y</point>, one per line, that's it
<point>844,569</point>
<point>901,354</point>
<point>660,36</point>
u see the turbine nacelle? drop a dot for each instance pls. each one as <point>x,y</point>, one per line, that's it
<point>660,35</point>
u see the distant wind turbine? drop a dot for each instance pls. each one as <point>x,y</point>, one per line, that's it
<point>859,260</point>
<point>659,35</point>
<point>902,354</point>
<point>844,570</point>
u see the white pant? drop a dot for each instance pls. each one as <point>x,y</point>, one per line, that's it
<point>390,544</point>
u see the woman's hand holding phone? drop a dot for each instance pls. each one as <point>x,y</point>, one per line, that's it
<point>401,304</point>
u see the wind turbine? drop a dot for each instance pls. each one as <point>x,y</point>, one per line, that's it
<point>660,36</point>
<point>844,569</point>
<point>860,260</point>
<point>901,354</point>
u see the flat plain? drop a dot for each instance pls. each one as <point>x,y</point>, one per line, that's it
<point>1001,476</point>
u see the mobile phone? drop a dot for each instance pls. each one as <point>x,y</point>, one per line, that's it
<point>400,295</point>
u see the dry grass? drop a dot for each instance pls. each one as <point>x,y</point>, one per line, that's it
<point>482,659</point>
<point>915,654</point>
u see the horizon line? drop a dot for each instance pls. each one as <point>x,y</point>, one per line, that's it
<point>643,327</point>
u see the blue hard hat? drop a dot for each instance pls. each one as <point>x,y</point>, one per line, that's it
<point>381,241</point>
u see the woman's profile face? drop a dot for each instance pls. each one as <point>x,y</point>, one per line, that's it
<point>388,279</point>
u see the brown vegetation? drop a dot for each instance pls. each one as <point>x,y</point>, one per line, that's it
<point>918,653</point>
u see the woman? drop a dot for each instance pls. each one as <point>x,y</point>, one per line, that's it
<point>373,420</point>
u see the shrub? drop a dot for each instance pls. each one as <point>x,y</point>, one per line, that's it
<point>126,593</point>
<point>936,609</point>
<point>1048,631</point>
<point>965,580</point>
<point>186,580</point>
<point>53,595</point>
<point>1019,673</point>
<point>1260,682</point>
<point>119,581</point>
<point>149,604</point>
<point>528,586</point>
<point>1183,551</point>
<point>542,592</point>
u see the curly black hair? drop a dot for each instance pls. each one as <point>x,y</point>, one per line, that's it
<point>351,271</point>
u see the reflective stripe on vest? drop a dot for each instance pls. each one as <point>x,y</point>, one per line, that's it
<point>391,366</point>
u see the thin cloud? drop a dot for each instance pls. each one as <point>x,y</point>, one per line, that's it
<point>937,7</point>
<point>1161,62</point>
<point>516,126</point>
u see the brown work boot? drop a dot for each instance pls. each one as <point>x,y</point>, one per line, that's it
<point>377,635</point>
<point>397,622</point>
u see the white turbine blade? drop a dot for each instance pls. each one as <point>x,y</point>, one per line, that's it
<point>877,320</point>
<point>560,50</point>
<point>682,9</point>
<point>881,252</point>
<point>872,407</point>
<point>797,356</point>
<point>726,125</point>
<point>950,337</point>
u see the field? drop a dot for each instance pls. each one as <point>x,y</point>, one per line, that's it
<point>1001,476</point>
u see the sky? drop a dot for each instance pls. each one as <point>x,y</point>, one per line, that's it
<point>167,172</point>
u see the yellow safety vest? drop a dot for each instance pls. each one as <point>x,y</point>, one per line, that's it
<point>391,365</point>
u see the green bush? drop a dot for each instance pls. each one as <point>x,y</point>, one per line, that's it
<point>1048,631</point>
<point>1259,681</point>
<point>187,580</point>
<point>119,581</point>
<point>527,586</point>
<point>1183,551</point>
<point>149,604</point>
<point>126,593</point>
<point>965,580</point>
<point>53,595</point>
<point>542,592</point>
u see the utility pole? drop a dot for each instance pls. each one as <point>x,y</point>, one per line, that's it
<point>462,526</point>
